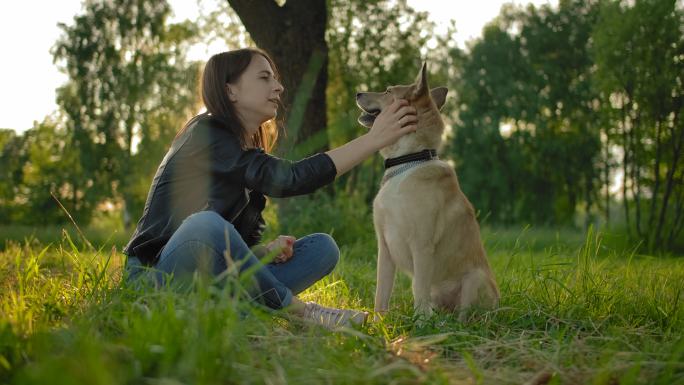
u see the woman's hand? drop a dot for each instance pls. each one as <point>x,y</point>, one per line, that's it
<point>283,247</point>
<point>394,121</point>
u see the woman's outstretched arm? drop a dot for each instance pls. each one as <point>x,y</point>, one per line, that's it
<point>282,178</point>
<point>392,123</point>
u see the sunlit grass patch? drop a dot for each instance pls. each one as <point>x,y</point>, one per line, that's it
<point>577,312</point>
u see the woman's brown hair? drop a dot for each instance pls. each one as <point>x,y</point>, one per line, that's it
<point>227,67</point>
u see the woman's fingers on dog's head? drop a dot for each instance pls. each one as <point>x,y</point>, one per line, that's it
<point>406,111</point>
<point>408,124</point>
<point>409,128</point>
<point>397,104</point>
<point>408,119</point>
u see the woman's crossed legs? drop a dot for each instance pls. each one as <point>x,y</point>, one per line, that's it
<point>199,244</point>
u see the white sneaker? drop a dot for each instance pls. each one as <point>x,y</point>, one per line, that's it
<point>332,318</point>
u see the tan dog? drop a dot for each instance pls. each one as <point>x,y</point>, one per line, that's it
<point>423,222</point>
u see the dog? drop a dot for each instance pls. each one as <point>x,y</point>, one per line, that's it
<point>424,224</point>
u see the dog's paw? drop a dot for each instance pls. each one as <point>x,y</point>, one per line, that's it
<point>424,311</point>
<point>379,316</point>
<point>422,316</point>
<point>422,321</point>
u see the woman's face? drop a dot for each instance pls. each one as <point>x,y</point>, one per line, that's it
<point>255,94</point>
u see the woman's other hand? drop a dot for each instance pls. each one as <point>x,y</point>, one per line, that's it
<point>283,247</point>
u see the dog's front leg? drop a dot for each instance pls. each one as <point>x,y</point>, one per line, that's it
<point>422,280</point>
<point>385,278</point>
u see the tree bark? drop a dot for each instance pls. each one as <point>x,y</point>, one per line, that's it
<point>678,215</point>
<point>607,177</point>
<point>636,167</point>
<point>625,167</point>
<point>676,150</point>
<point>292,34</point>
<point>656,175</point>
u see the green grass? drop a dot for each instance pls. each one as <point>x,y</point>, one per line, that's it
<point>103,236</point>
<point>574,310</point>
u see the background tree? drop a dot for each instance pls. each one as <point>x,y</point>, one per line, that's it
<point>50,166</point>
<point>130,85</point>
<point>12,157</point>
<point>526,106</point>
<point>639,54</point>
<point>36,165</point>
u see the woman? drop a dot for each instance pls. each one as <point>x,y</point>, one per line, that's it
<point>203,210</point>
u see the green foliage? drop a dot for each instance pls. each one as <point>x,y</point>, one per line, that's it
<point>219,22</point>
<point>347,219</point>
<point>639,55</point>
<point>12,157</point>
<point>40,163</point>
<point>547,99</point>
<point>130,90</point>
<point>530,72</point>
<point>49,168</point>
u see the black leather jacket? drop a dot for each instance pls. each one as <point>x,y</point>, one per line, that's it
<point>206,169</point>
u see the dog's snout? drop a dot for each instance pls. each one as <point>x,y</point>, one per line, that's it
<point>358,95</point>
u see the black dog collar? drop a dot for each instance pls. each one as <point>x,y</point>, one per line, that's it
<point>422,155</point>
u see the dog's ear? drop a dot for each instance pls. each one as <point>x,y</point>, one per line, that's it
<point>421,81</point>
<point>438,95</point>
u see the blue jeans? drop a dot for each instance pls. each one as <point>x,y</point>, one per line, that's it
<point>199,245</point>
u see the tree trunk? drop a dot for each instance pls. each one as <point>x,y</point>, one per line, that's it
<point>636,168</point>
<point>607,178</point>
<point>292,34</point>
<point>656,186</point>
<point>625,168</point>
<point>676,151</point>
<point>678,216</point>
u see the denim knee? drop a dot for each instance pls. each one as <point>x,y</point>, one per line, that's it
<point>211,227</point>
<point>330,252</point>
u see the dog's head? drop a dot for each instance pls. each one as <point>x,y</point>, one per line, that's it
<point>418,95</point>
